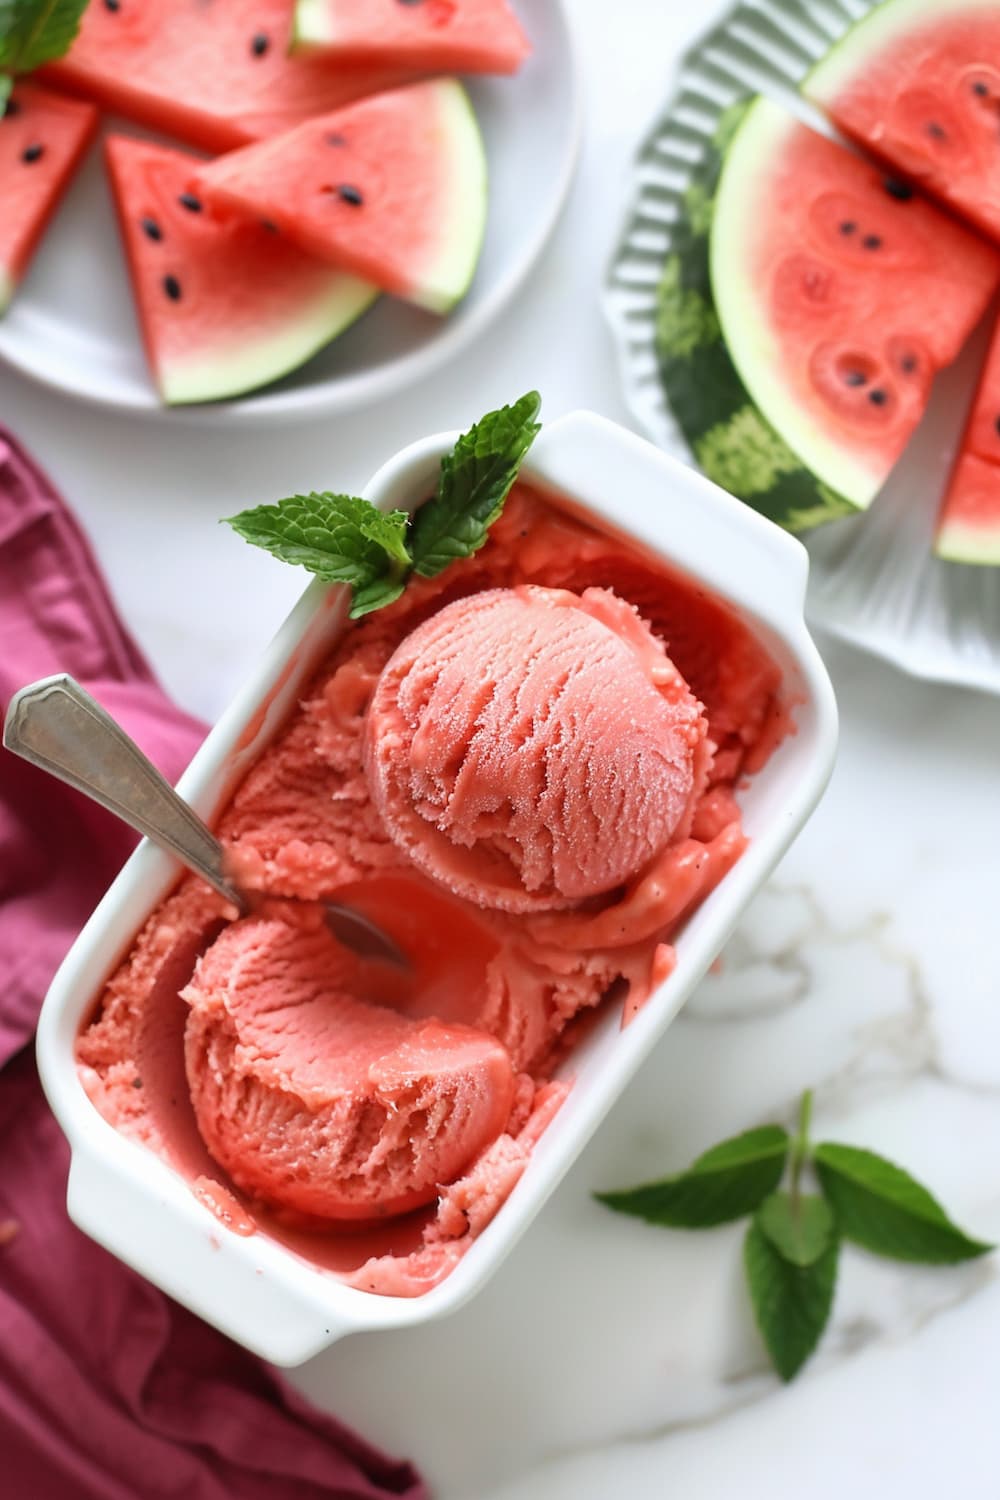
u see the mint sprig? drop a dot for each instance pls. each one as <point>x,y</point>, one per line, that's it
<point>476,477</point>
<point>792,1245</point>
<point>33,32</point>
<point>345,539</point>
<point>722,1184</point>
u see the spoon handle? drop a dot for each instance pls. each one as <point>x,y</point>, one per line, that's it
<point>58,726</point>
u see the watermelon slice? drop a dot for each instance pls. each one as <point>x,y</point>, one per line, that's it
<point>392,188</point>
<point>42,138</point>
<point>213,73</point>
<point>839,293</point>
<point>225,303</point>
<point>442,36</point>
<point>917,82</point>
<point>969,521</point>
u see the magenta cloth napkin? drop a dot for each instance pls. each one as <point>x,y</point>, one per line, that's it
<point>108,1389</point>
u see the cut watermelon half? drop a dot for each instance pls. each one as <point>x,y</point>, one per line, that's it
<point>443,36</point>
<point>392,189</point>
<point>969,521</point>
<point>213,73</point>
<point>839,294</point>
<point>226,304</point>
<point>42,138</point>
<point>917,82</point>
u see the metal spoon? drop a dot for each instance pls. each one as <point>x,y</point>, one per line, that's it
<point>58,726</point>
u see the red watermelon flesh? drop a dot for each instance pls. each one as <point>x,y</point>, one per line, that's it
<point>918,84</point>
<point>969,520</point>
<point>225,303</point>
<point>42,138</point>
<point>840,293</point>
<point>213,73</point>
<point>445,36</point>
<point>392,188</point>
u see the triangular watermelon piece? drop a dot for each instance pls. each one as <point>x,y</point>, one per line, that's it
<point>968,528</point>
<point>444,36</point>
<point>839,293</point>
<point>226,304</point>
<point>916,83</point>
<point>213,73</point>
<point>392,188</point>
<point>42,138</point>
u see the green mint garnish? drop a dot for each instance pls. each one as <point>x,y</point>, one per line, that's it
<point>792,1245</point>
<point>33,32</point>
<point>476,478</point>
<point>791,1303</point>
<point>723,1184</point>
<point>881,1207</point>
<point>344,539</point>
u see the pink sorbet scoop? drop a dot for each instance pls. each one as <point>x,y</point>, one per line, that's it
<point>324,1103</point>
<point>531,748</point>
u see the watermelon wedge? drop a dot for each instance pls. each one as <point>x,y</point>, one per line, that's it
<point>226,304</point>
<point>839,293</point>
<point>392,189</point>
<point>42,138</point>
<point>436,36</point>
<point>213,73</point>
<point>917,82</point>
<point>969,521</point>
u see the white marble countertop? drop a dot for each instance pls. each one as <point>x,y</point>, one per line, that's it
<point>608,1358</point>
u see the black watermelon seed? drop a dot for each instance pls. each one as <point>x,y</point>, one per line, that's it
<point>877,397</point>
<point>260,44</point>
<point>936,132</point>
<point>848,226</point>
<point>336,139</point>
<point>411,2</point>
<point>13,108</point>
<point>269,225</point>
<point>981,89</point>
<point>855,377</point>
<point>172,287</point>
<point>113,5</point>
<point>348,194</point>
<point>908,364</point>
<point>872,242</point>
<point>897,189</point>
<point>33,152</point>
<point>151,229</point>
<point>190,202</point>
<point>996,424</point>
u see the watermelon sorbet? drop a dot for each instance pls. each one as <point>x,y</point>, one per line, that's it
<point>524,770</point>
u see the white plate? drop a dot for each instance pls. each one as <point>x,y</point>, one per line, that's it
<point>72,324</point>
<point>873,580</point>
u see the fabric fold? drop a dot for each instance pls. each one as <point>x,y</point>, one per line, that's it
<point>108,1389</point>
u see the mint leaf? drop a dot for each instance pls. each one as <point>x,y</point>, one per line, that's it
<point>33,32</point>
<point>375,595</point>
<point>388,530</point>
<point>722,1184</point>
<point>800,1228</point>
<point>791,1304</point>
<point>883,1208</point>
<point>340,538</point>
<point>476,478</point>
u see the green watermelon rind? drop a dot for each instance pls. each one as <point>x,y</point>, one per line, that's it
<point>968,544</point>
<point>242,368</point>
<point>733,442</point>
<point>8,286</point>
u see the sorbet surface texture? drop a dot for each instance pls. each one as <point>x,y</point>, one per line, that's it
<point>524,770</point>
